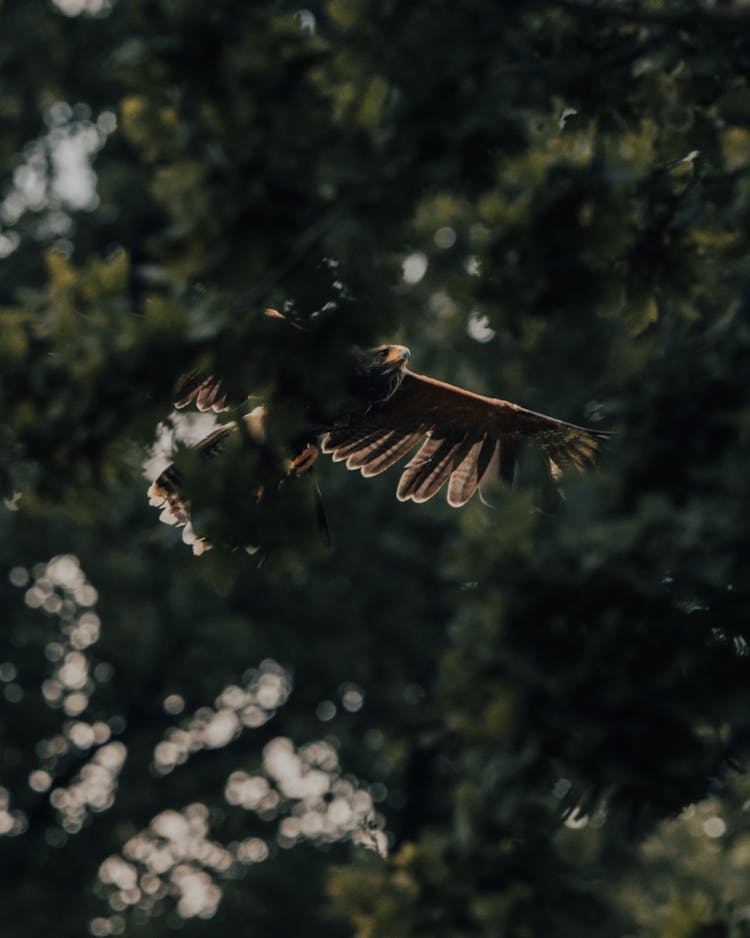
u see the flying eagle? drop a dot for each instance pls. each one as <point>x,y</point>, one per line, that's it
<point>463,438</point>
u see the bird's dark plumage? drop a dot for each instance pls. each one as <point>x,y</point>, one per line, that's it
<point>461,439</point>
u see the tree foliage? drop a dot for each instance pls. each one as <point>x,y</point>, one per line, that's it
<point>499,721</point>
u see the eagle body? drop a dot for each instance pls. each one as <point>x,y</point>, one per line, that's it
<point>456,437</point>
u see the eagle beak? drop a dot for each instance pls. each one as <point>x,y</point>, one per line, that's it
<point>397,355</point>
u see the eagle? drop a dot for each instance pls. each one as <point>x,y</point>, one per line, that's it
<point>457,438</point>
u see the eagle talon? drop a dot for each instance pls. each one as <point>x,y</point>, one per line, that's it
<point>304,460</point>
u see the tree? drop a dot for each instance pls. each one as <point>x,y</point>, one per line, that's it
<point>498,721</point>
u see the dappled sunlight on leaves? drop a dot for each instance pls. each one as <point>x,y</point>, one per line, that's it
<point>60,589</point>
<point>236,708</point>
<point>307,782</point>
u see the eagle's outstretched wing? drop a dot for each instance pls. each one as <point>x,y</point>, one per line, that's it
<point>466,438</point>
<point>205,390</point>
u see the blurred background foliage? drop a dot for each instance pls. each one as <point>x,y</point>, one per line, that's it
<point>486,722</point>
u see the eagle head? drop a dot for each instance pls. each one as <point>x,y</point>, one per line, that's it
<point>379,371</point>
<point>386,358</point>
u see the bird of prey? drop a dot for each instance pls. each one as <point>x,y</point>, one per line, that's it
<point>460,438</point>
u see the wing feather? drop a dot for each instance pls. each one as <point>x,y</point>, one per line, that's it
<point>467,475</point>
<point>370,448</point>
<point>430,469</point>
<point>344,446</point>
<point>470,438</point>
<point>393,448</point>
<point>205,390</point>
<point>338,438</point>
<point>427,461</point>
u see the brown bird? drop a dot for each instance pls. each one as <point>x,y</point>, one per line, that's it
<point>464,439</point>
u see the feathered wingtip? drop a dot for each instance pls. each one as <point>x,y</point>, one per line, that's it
<point>205,390</point>
<point>164,493</point>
